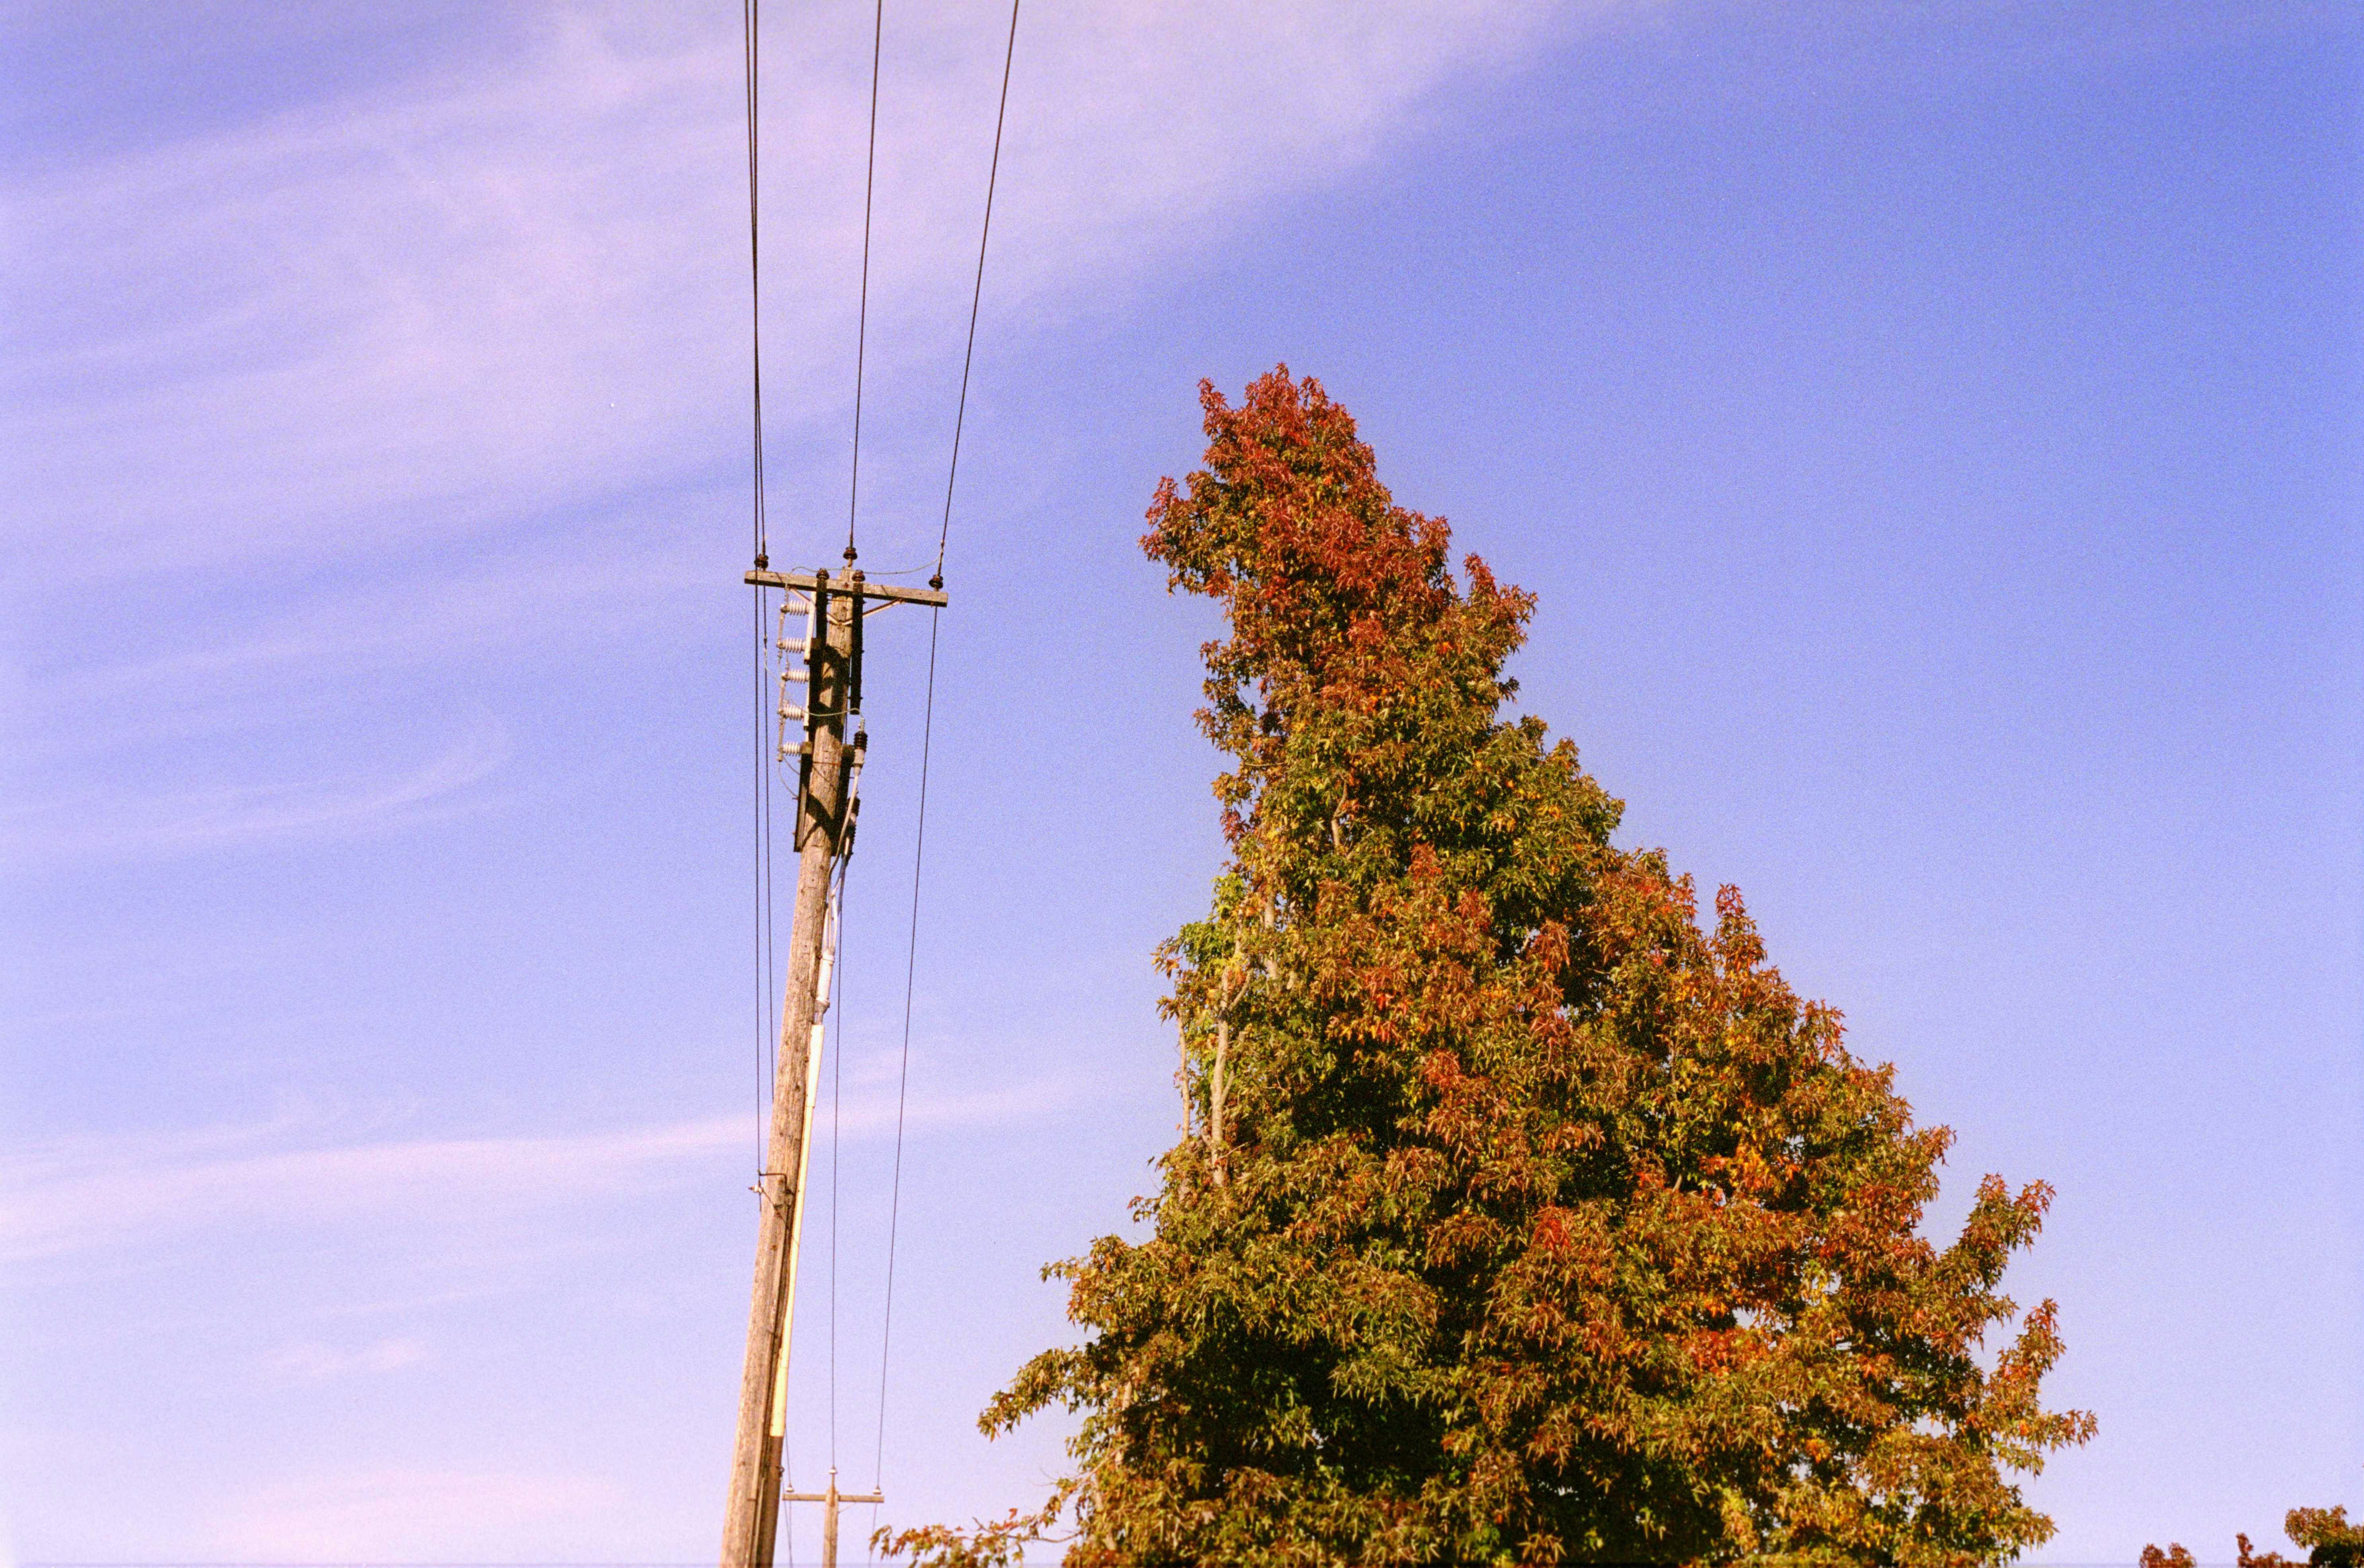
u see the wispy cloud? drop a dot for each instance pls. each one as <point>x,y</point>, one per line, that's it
<point>338,371</point>
<point>399,1513</point>
<point>435,307</point>
<point>90,1194</point>
<point>118,820</point>
<point>201,676</point>
<point>311,1361</point>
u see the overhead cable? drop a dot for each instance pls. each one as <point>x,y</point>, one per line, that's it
<point>927,737</point>
<point>750,33</point>
<point>749,37</point>
<point>977,295</point>
<point>862,316</point>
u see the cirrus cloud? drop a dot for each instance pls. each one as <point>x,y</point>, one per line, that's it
<point>436,305</point>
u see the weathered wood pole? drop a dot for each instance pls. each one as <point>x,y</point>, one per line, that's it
<point>752,1524</point>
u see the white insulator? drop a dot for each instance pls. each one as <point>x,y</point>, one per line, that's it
<point>799,675</point>
<point>790,710</point>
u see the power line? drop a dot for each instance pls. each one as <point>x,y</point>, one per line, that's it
<point>861,320</point>
<point>903,1084</point>
<point>764,913</point>
<point>750,33</point>
<point>927,739</point>
<point>977,295</point>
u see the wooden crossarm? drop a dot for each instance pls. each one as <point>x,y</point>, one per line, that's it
<point>832,1497</point>
<point>807,582</point>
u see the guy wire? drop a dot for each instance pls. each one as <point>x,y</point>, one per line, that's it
<point>927,737</point>
<point>862,320</point>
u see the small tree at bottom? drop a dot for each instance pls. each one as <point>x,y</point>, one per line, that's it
<point>2331,1542</point>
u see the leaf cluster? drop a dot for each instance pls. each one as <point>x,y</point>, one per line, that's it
<point>2331,1540</point>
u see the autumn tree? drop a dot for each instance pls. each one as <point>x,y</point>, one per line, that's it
<point>1524,1216</point>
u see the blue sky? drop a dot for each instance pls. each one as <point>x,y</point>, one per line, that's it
<point>1931,429</point>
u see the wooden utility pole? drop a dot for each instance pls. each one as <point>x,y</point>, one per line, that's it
<point>829,772</point>
<point>829,1501</point>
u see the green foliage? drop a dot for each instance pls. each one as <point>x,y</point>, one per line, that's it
<point>998,1544</point>
<point>1522,1217</point>
<point>2332,1541</point>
